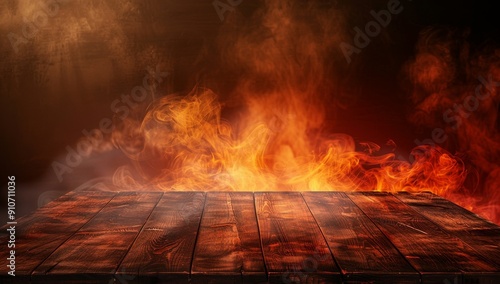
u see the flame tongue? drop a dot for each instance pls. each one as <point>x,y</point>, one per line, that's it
<point>189,147</point>
<point>277,144</point>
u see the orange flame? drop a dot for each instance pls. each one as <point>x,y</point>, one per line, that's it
<point>183,142</point>
<point>187,146</point>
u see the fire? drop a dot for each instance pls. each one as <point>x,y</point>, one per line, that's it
<point>455,89</point>
<point>278,142</point>
<point>186,145</point>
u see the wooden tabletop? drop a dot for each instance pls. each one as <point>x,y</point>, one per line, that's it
<point>261,237</point>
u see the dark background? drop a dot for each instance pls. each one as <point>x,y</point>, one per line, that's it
<point>64,79</point>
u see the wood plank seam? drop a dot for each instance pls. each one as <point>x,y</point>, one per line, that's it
<point>461,238</point>
<point>197,234</point>
<point>439,255</point>
<point>322,233</point>
<point>163,251</point>
<point>94,251</point>
<point>394,215</point>
<point>285,249</point>
<point>260,237</point>
<point>478,254</point>
<point>70,236</point>
<point>135,239</point>
<point>387,237</point>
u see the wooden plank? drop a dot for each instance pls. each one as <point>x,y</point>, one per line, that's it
<point>81,237</point>
<point>482,235</point>
<point>41,233</point>
<point>95,251</point>
<point>164,248</point>
<point>361,250</point>
<point>293,246</point>
<point>228,241</point>
<point>70,208</point>
<point>439,256</point>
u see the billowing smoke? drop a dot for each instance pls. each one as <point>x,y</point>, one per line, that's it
<point>454,86</point>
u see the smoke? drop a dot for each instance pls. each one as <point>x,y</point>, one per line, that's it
<point>280,68</point>
<point>287,62</point>
<point>454,86</point>
<point>284,66</point>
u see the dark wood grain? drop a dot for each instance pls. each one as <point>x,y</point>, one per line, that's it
<point>97,248</point>
<point>361,250</point>
<point>482,235</point>
<point>293,246</point>
<point>164,248</point>
<point>228,240</point>
<point>238,237</point>
<point>40,234</point>
<point>439,256</point>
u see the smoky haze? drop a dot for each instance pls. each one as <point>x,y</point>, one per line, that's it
<point>61,75</point>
